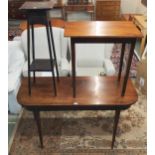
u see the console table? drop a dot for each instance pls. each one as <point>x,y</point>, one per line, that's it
<point>94,93</point>
<point>103,32</point>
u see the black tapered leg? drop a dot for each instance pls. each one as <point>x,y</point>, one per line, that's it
<point>51,60</point>
<point>73,67</point>
<point>128,67</point>
<point>116,120</point>
<point>36,114</point>
<point>28,54</point>
<point>121,61</point>
<point>33,50</point>
<point>54,51</point>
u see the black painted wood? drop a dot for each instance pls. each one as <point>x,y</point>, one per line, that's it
<point>40,65</point>
<point>128,66</point>
<point>54,51</point>
<point>37,13</point>
<point>28,54</point>
<point>121,61</point>
<point>51,58</point>
<point>116,120</point>
<point>36,115</point>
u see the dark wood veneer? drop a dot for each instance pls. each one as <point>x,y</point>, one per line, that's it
<point>91,91</point>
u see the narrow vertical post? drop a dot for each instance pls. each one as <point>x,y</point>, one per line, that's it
<point>73,67</point>
<point>28,54</point>
<point>33,51</point>
<point>51,59</point>
<point>116,120</point>
<point>128,66</point>
<point>36,114</point>
<point>54,51</point>
<point>121,61</point>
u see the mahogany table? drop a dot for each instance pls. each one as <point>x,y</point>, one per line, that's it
<point>94,93</point>
<point>103,32</point>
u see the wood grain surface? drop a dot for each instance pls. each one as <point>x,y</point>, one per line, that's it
<point>91,91</point>
<point>104,29</point>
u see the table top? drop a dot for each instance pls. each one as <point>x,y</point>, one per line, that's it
<point>91,92</point>
<point>46,5</point>
<point>104,29</point>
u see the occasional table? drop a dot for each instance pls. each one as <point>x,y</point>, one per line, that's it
<point>94,93</point>
<point>103,32</point>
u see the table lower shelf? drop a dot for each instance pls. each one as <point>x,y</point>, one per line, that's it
<point>41,65</point>
<point>91,92</point>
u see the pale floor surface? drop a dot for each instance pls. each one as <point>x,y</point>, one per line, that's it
<point>13,120</point>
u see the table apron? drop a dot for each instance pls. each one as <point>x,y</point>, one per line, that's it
<point>68,108</point>
<point>102,40</point>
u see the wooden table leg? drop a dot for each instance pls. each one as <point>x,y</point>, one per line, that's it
<point>116,120</point>
<point>33,49</point>
<point>121,61</point>
<point>51,58</point>
<point>36,114</point>
<point>73,67</point>
<point>54,51</point>
<point>28,54</point>
<point>128,67</point>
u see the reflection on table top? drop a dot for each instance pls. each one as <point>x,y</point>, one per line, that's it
<point>91,91</point>
<point>111,29</point>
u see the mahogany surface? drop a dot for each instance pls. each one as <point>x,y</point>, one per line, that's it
<point>91,91</point>
<point>104,29</point>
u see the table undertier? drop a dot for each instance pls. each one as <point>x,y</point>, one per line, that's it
<point>95,91</point>
<point>41,65</point>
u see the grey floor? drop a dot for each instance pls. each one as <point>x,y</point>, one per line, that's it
<point>13,120</point>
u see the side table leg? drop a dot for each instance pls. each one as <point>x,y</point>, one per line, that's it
<point>73,67</point>
<point>128,67</point>
<point>121,61</point>
<point>51,59</point>
<point>116,119</point>
<point>54,51</point>
<point>36,114</point>
<point>33,51</point>
<point>28,54</point>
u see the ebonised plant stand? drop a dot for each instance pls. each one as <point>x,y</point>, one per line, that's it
<point>38,13</point>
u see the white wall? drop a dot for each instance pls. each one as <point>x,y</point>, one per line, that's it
<point>141,8</point>
<point>128,6</point>
<point>132,6</point>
